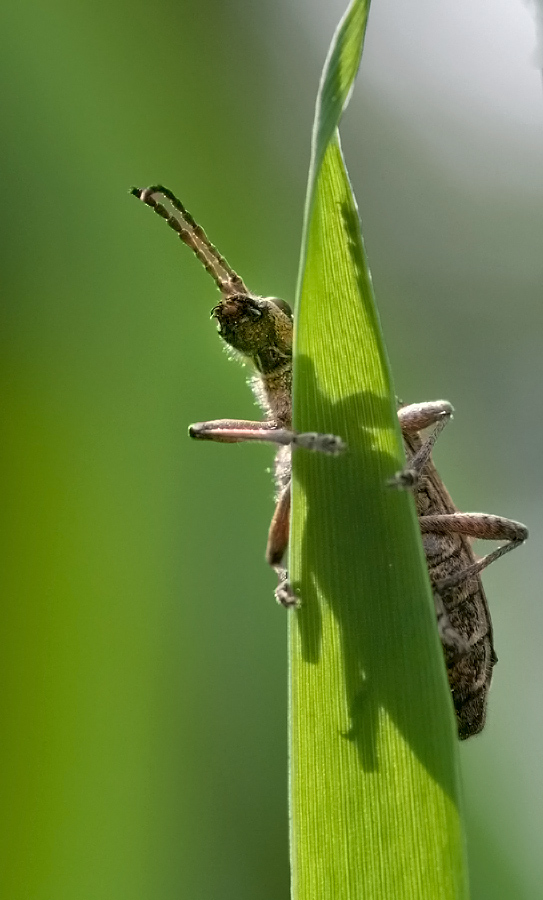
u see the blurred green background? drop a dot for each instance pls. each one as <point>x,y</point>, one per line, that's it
<point>143,659</point>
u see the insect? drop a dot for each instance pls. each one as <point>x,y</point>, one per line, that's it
<point>463,617</point>
<point>259,329</point>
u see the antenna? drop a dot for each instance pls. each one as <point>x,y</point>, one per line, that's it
<point>193,235</point>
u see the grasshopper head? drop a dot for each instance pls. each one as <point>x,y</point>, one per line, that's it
<point>259,328</point>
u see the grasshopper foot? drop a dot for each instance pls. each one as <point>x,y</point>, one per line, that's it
<point>320,443</point>
<point>284,592</point>
<point>405,480</point>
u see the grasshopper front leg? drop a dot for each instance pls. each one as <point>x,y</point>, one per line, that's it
<point>443,524</point>
<point>235,431</point>
<point>414,418</point>
<point>232,431</point>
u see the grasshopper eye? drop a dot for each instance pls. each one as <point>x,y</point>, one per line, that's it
<point>282,304</point>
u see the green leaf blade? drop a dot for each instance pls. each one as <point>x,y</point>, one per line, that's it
<point>339,73</point>
<point>374,758</point>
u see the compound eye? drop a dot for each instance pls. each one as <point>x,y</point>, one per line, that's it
<point>282,304</point>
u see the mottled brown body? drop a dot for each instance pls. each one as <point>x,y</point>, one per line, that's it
<point>259,329</point>
<point>465,603</point>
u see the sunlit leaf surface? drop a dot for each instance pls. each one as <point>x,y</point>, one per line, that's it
<point>374,776</point>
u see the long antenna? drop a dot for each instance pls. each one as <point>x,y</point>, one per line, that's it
<point>193,235</point>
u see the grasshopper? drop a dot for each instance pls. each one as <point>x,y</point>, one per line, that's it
<point>259,329</point>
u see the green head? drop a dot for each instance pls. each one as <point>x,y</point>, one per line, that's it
<point>260,328</point>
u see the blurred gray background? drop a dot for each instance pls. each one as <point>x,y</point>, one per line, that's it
<point>143,658</point>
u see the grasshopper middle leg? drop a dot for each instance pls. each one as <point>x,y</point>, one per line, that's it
<point>415,418</point>
<point>475,525</point>
<point>440,518</point>
<point>240,430</point>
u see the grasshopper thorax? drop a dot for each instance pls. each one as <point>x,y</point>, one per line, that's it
<point>260,328</point>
